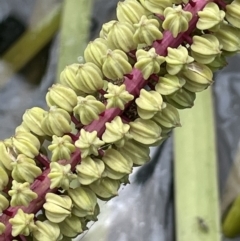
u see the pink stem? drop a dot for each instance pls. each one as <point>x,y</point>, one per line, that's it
<point>43,160</point>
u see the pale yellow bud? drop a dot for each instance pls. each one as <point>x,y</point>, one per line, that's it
<point>32,119</point>
<point>135,152</point>
<point>147,31</point>
<point>61,148</point>
<point>120,37</point>
<point>116,162</point>
<point>89,170</point>
<point>46,231</point>
<point>21,194</point>
<point>88,109</point>
<point>117,96</point>
<point>130,11</point>
<point>22,223</point>
<point>88,143</point>
<point>116,132</point>
<point>4,178</point>
<point>232,13</point>
<point>4,203</point>
<point>106,28</point>
<point>169,84</point>
<point>95,51</point>
<point>60,176</point>
<point>176,20</point>
<point>105,188</point>
<point>26,143</point>
<point>82,77</point>
<point>57,207</point>
<point>145,131</point>
<point>149,103</point>
<point>71,226</point>
<point>2,228</point>
<point>168,117</point>
<point>210,17</point>
<point>5,157</point>
<point>116,64</point>
<point>84,200</point>
<point>229,37</point>
<point>156,6</point>
<point>176,59</point>
<point>56,122</point>
<point>205,48</point>
<point>62,97</point>
<point>181,99</point>
<point>148,62</point>
<point>25,169</point>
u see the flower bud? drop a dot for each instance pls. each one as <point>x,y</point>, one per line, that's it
<point>168,117</point>
<point>4,178</point>
<point>116,162</point>
<point>169,84</point>
<point>88,143</point>
<point>120,37</point>
<point>84,200</point>
<point>218,63</point>
<point>210,17</point>
<point>71,226</point>
<point>46,231</point>
<point>232,13</point>
<point>21,194</point>
<point>105,188</point>
<point>149,103</point>
<point>229,37</point>
<point>95,51</point>
<point>32,119</point>
<point>25,169</point>
<point>61,148</point>
<point>148,62</point>
<point>198,77</point>
<point>2,228</point>
<point>135,152</point>
<point>62,97</point>
<point>130,11</point>
<point>26,143</point>
<point>84,77</point>
<point>156,6</point>
<point>60,176</point>
<point>88,109</point>
<point>145,131</point>
<point>205,48</point>
<point>106,28</point>
<point>181,99</point>
<point>177,59</point>
<point>57,208</point>
<point>176,20</point>
<point>117,96</point>
<point>108,172</point>
<point>22,128</point>
<point>5,157</point>
<point>4,203</point>
<point>56,122</point>
<point>94,216</point>
<point>116,132</point>
<point>89,170</point>
<point>22,223</point>
<point>147,31</point>
<point>116,64</point>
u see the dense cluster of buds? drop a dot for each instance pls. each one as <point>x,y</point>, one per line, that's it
<point>106,113</point>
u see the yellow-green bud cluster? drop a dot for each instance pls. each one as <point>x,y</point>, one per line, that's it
<point>106,113</point>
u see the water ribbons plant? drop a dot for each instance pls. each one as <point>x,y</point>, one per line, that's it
<point>106,113</point>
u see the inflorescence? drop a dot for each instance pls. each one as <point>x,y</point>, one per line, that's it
<point>105,113</point>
